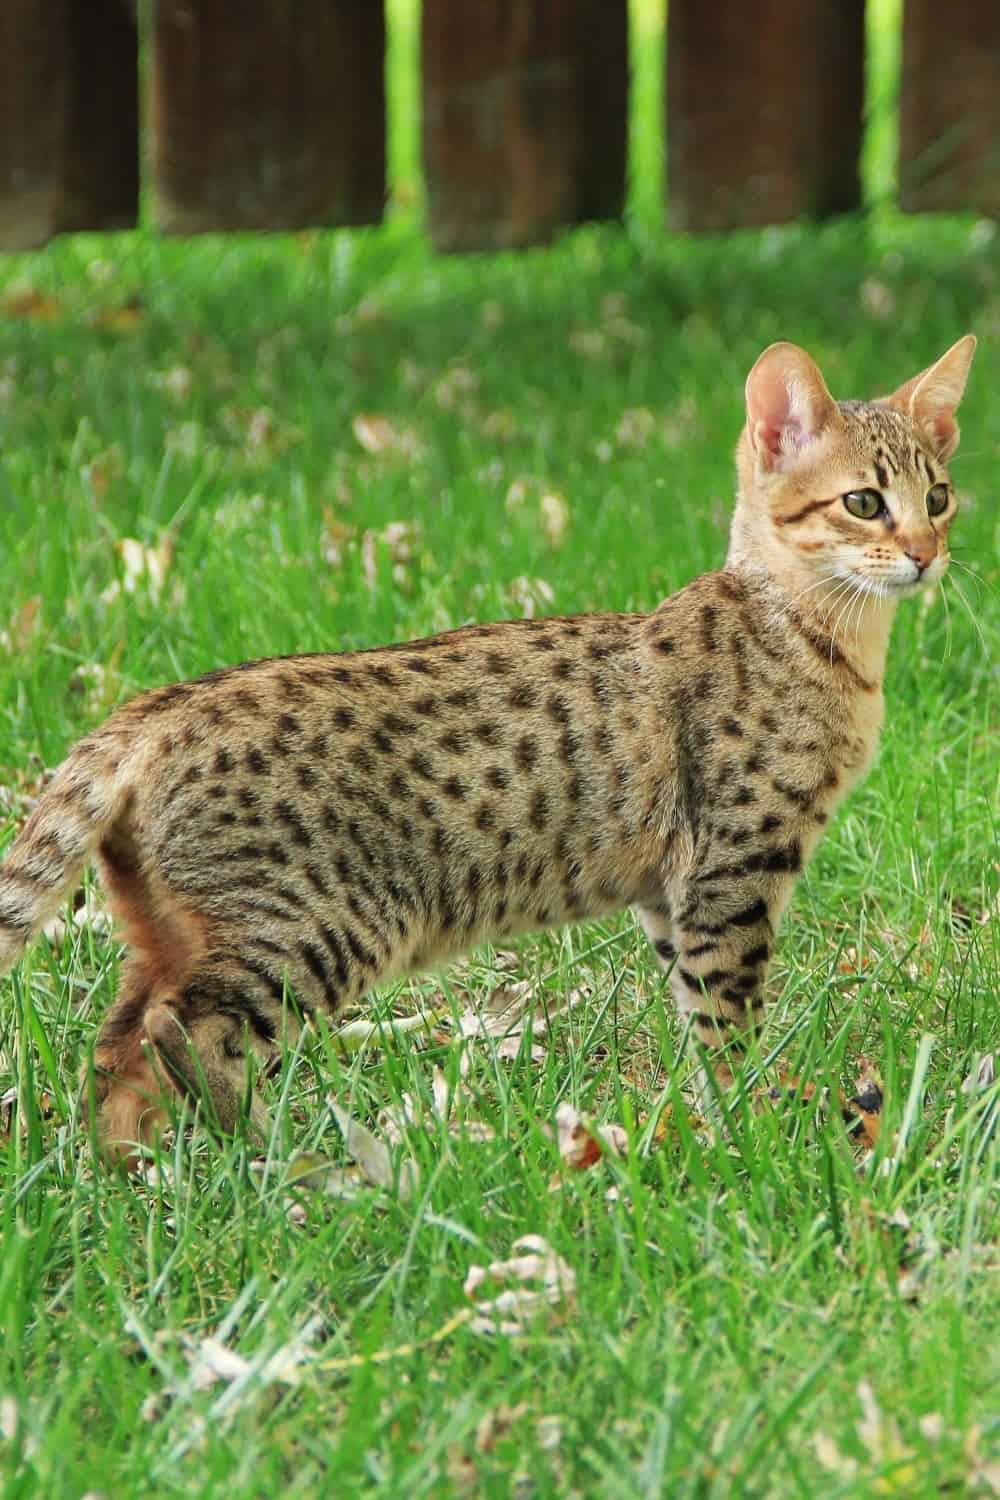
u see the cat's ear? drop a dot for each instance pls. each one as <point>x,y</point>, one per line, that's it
<point>788,405</point>
<point>198,1063</point>
<point>931,398</point>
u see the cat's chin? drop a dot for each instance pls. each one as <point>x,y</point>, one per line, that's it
<point>891,588</point>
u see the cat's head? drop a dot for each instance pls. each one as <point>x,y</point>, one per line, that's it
<point>856,492</point>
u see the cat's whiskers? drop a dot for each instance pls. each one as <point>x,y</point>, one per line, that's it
<point>863,588</point>
<point>822,616</point>
<point>854,590</point>
<point>972,574</point>
<point>971,613</point>
<point>852,605</point>
<point>947,617</point>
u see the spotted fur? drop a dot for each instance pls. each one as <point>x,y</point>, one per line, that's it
<point>278,837</point>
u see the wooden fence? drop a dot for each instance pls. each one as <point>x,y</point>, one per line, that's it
<point>270,114</point>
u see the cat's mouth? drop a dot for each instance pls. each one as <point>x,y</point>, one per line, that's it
<point>891,587</point>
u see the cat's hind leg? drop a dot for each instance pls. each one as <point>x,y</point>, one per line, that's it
<point>194,1041</point>
<point>657,923</point>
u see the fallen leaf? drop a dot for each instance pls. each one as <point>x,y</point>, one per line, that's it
<point>335,538</point>
<point>97,683</point>
<point>319,1174</point>
<point>213,1361</point>
<point>23,626</point>
<point>589,343</point>
<point>580,1146</point>
<point>555,518</point>
<point>982,1076</point>
<point>454,386</point>
<point>356,1035</point>
<point>90,914</point>
<point>504,1020</point>
<point>531,596</point>
<point>373,1156</point>
<point>126,317</point>
<point>877,299</point>
<point>381,437</point>
<point>400,539</point>
<point>33,305</point>
<point>635,427</point>
<point>497,1424</point>
<point>141,565</point>
<point>177,382</point>
<point>864,1107</point>
<point>511,1311</point>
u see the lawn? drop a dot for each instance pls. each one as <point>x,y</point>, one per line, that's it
<point>328,441</point>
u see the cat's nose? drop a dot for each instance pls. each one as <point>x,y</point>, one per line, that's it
<point>921,553</point>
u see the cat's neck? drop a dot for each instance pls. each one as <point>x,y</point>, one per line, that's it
<point>858,623</point>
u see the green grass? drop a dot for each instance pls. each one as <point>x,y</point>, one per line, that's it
<point>733,1295</point>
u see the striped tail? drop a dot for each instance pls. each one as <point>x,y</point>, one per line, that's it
<point>46,860</point>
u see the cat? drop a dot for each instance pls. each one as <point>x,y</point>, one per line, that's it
<point>336,820</point>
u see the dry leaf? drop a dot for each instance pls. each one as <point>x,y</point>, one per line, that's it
<point>318,1174</point>
<point>589,343</point>
<point>635,427</point>
<point>982,1076</point>
<point>400,539</point>
<point>90,913</point>
<point>380,436</point>
<point>581,1147</point>
<point>555,518</point>
<point>33,305</point>
<point>497,1424</point>
<point>532,596</point>
<point>878,300</point>
<point>447,1105</point>
<point>510,1311</point>
<point>457,384</point>
<point>97,684</point>
<point>862,1111</point>
<point>373,1156</point>
<point>125,318</point>
<point>356,1035</point>
<point>335,538</point>
<point>24,625</point>
<point>141,565</point>
<point>176,382</point>
<point>503,1020</point>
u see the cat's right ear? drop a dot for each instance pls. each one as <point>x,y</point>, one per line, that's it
<point>788,405</point>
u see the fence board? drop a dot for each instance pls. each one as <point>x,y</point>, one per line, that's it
<point>949,136</point>
<point>34,87</point>
<point>68,118</point>
<point>271,119</point>
<point>101,176</point>
<point>524,115</point>
<point>764,106</point>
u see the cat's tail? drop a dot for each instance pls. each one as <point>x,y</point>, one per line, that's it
<point>78,809</point>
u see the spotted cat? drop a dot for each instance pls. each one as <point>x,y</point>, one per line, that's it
<point>329,821</point>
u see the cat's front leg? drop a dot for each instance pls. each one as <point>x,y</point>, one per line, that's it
<point>717,956</point>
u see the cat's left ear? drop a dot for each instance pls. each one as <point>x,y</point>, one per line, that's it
<point>930,399</point>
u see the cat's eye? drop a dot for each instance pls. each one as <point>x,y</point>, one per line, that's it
<point>865,504</point>
<point>937,499</point>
